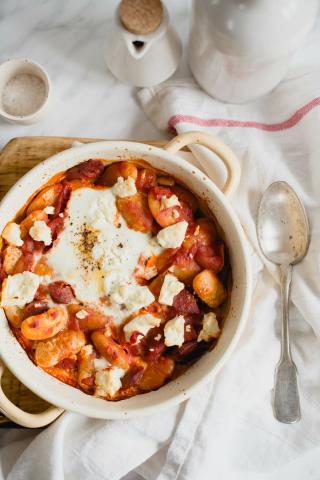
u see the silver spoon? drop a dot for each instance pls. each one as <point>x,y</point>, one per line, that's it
<point>284,236</point>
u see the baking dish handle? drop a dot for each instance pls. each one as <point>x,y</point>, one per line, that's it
<point>25,419</point>
<point>214,144</point>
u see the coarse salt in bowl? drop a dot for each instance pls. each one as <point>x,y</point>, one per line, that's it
<point>24,91</point>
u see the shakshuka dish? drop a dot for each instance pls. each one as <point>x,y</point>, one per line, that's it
<point>115,278</point>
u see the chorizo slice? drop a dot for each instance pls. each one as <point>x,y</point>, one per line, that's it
<point>88,171</point>
<point>61,292</point>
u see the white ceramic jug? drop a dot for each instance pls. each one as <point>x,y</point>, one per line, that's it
<point>143,60</point>
<point>240,49</point>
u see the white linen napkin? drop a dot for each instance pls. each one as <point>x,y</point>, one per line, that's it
<point>227,430</point>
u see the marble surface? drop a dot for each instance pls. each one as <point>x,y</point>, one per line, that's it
<point>67,39</point>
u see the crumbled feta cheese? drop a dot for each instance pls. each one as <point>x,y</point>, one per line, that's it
<point>11,234</point>
<point>150,272</point>
<point>188,328</point>
<point>61,215</point>
<point>112,278</point>
<point>172,236</point>
<point>108,382</point>
<point>87,350</point>
<point>157,337</point>
<point>142,270</point>
<point>103,211</point>
<point>210,327</point>
<point>41,232</point>
<point>81,314</point>
<point>107,206</point>
<point>49,210</point>
<point>168,202</point>
<point>124,187</point>
<point>19,289</point>
<point>101,363</point>
<point>154,246</point>
<point>197,231</point>
<point>132,296</point>
<point>174,332</point>
<point>141,324</point>
<point>170,288</point>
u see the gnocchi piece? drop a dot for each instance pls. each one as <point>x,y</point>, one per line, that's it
<point>44,325</point>
<point>51,352</point>
<point>167,216</point>
<point>86,369</point>
<point>45,198</point>
<point>87,318</point>
<point>14,315</point>
<point>120,169</point>
<point>94,321</point>
<point>26,224</point>
<point>135,211</point>
<point>185,268</point>
<point>209,288</point>
<point>11,255</point>
<point>110,350</point>
<point>156,374</point>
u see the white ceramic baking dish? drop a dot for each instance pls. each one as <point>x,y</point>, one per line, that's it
<point>65,397</point>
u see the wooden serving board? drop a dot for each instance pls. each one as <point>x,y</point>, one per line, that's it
<point>16,158</point>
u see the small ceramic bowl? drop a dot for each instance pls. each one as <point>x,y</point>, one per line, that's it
<point>17,66</point>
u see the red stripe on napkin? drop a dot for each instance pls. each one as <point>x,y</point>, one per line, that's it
<point>222,122</point>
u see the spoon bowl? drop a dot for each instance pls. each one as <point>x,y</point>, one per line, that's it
<point>283,228</point>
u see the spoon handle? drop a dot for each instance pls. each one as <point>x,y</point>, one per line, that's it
<point>286,401</point>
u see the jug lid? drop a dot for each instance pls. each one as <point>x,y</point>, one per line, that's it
<point>141,16</point>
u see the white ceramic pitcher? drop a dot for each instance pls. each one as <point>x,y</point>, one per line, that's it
<point>240,49</point>
<point>143,60</point>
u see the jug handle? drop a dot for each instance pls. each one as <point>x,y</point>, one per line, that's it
<point>25,419</point>
<point>214,144</point>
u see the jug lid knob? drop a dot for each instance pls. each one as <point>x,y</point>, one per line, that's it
<point>141,16</point>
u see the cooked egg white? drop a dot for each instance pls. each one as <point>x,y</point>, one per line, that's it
<point>96,251</point>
